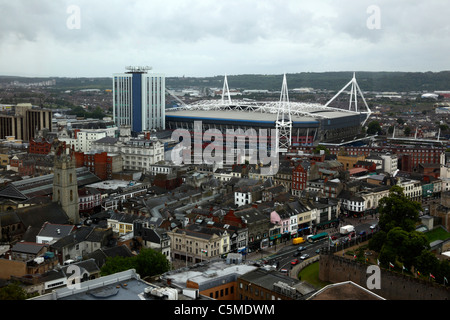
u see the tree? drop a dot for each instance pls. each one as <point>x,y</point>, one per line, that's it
<point>78,111</point>
<point>13,292</point>
<point>374,128</point>
<point>427,262</point>
<point>398,211</point>
<point>97,113</point>
<point>403,246</point>
<point>412,247</point>
<point>377,241</point>
<point>150,262</point>
<point>116,264</point>
<point>321,147</point>
<point>387,255</point>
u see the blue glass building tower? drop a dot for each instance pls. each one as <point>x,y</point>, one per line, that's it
<point>139,99</point>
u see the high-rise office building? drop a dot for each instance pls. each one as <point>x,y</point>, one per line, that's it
<point>139,99</point>
<point>24,121</point>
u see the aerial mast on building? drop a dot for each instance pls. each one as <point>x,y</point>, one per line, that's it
<point>138,69</point>
<point>284,120</point>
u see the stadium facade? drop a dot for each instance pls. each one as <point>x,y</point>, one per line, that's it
<point>309,123</point>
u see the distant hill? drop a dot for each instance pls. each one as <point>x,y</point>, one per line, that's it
<point>368,81</point>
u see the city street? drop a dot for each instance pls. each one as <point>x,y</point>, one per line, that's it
<point>281,255</point>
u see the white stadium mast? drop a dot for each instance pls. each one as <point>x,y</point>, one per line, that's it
<point>226,91</point>
<point>353,97</point>
<point>284,120</point>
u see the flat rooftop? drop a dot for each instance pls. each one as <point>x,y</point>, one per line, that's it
<point>205,273</point>
<point>122,286</point>
<point>112,184</point>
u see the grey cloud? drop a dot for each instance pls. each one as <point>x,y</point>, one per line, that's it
<point>208,37</point>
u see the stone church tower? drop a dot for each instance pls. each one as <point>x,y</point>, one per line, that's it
<point>65,187</point>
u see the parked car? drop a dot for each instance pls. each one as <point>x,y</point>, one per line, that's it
<point>362,233</point>
<point>374,226</point>
<point>304,256</point>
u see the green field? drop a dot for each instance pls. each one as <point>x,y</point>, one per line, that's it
<point>437,234</point>
<point>310,274</point>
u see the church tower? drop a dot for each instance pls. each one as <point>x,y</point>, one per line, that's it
<point>65,186</point>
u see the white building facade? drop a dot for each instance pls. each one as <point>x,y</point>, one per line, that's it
<point>139,99</point>
<point>137,154</point>
<point>83,139</point>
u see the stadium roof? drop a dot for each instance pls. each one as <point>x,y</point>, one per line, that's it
<point>245,110</point>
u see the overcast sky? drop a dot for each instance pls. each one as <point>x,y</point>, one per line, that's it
<point>78,38</point>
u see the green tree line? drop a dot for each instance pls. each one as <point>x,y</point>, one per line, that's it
<point>147,263</point>
<point>399,243</point>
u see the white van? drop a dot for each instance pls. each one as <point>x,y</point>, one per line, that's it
<point>67,262</point>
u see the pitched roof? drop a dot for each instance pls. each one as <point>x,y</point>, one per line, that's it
<point>55,230</point>
<point>89,265</point>
<point>9,218</point>
<point>100,255</point>
<point>28,247</point>
<point>43,185</point>
<point>36,216</point>
<point>78,236</point>
<point>107,140</point>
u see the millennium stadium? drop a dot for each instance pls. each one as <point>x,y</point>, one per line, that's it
<point>296,123</point>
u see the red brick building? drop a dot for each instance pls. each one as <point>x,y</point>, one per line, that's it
<point>103,164</point>
<point>369,165</point>
<point>410,157</point>
<point>303,172</point>
<point>39,146</point>
<point>42,146</point>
